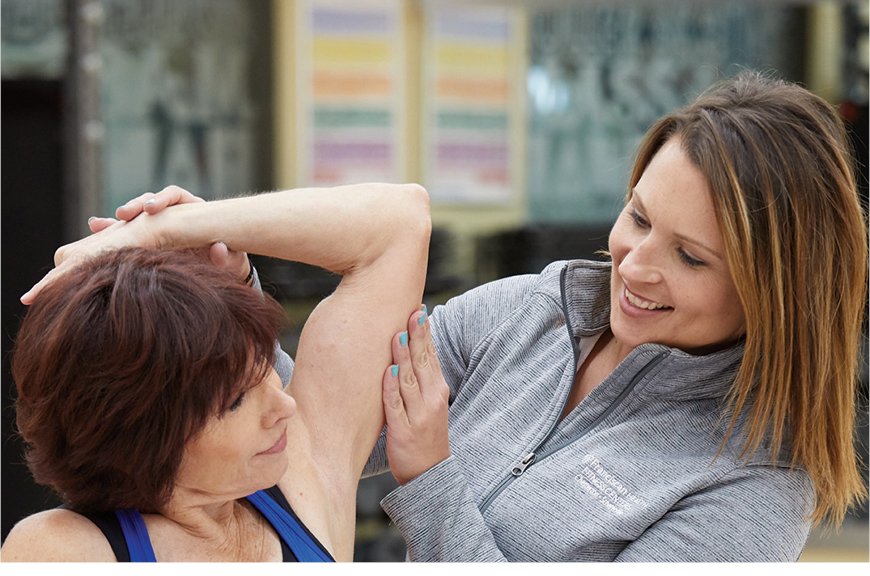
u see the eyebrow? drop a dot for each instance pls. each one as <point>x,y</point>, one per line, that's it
<point>684,238</point>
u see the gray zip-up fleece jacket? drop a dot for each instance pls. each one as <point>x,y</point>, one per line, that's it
<point>631,474</point>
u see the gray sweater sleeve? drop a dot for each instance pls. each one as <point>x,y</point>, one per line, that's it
<point>753,514</point>
<point>283,362</point>
<point>439,520</point>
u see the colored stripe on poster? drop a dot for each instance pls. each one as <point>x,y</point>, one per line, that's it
<point>349,85</point>
<point>464,120</point>
<point>473,90</point>
<point>343,151</point>
<point>331,21</point>
<point>352,118</point>
<point>331,51</point>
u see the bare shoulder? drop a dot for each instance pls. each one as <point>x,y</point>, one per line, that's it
<point>56,535</point>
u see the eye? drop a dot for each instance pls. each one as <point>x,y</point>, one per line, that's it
<point>639,220</point>
<point>689,260</point>
<point>237,403</point>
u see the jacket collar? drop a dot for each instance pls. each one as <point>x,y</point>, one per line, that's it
<point>585,289</point>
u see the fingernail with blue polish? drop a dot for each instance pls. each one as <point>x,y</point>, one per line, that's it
<point>403,340</point>
<point>424,309</point>
<point>394,370</point>
<point>422,318</point>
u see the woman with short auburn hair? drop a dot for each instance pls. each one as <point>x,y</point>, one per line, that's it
<point>152,398</point>
<point>147,347</point>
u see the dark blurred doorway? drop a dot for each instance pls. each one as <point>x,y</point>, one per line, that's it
<point>31,227</point>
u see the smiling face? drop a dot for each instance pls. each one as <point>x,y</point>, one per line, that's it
<point>670,282</point>
<point>244,449</point>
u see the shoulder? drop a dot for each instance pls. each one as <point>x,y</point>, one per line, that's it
<point>56,535</point>
<point>510,290</point>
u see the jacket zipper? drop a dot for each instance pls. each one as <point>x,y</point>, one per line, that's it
<point>533,456</point>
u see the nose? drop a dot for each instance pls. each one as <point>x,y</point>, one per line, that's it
<point>280,407</point>
<point>640,264</point>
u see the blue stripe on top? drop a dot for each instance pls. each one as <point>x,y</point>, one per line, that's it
<point>290,531</point>
<point>136,535</point>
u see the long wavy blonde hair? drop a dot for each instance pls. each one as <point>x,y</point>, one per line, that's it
<point>781,172</point>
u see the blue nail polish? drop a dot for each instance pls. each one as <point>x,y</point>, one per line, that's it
<point>422,318</point>
<point>425,310</point>
<point>403,340</point>
<point>395,370</point>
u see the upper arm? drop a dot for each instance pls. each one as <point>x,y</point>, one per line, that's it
<point>56,536</point>
<point>344,347</point>
<point>756,514</point>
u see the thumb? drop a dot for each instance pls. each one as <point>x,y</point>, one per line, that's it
<point>219,255</point>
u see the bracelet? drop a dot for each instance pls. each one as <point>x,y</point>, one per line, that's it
<point>249,279</point>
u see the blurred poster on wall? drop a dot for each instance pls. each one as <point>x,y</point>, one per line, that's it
<point>471,78</point>
<point>184,100</point>
<point>350,91</point>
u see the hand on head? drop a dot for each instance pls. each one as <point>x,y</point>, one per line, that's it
<point>415,403</point>
<point>106,236</point>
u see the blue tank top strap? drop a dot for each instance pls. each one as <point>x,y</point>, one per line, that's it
<point>136,535</point>
<point>290,531</point>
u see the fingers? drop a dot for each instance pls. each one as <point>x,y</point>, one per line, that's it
<point>236,262</point>
<point>167,197</point>
<point>218,254</point>
<point>409,390</point>
<point>29,297</point>
<point>427,369</point>
<point>133,207</point>
<point>98,224</point>
<point>394,406</point>
<point>418,379</point>
<point>152,203</point>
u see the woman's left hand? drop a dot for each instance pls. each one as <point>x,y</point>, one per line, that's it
<point>415,403</point>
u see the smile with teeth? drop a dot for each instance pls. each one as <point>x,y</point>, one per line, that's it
<point>641,303</point>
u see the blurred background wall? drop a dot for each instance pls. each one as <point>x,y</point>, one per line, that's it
<point>519,116</point>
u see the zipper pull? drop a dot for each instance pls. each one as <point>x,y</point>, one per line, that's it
<point>524,463</point>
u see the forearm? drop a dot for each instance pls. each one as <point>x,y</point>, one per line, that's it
<point>341,229</point>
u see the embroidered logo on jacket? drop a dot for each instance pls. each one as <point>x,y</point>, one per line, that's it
<point>601,484</point>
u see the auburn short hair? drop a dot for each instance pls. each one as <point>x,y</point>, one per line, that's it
<point>119,363</point>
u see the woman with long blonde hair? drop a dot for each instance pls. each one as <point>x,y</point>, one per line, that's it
<point>692,400</point>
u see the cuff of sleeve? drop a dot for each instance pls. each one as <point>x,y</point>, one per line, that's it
<point>424,504</point>
<point>255,278</point>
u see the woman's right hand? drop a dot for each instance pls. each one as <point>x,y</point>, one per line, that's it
<point>415,403</point>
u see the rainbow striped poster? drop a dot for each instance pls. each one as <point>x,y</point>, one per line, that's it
<point>350,89</point>
<point>472,77</point>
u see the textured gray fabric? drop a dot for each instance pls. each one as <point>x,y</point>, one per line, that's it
<point>283,363</point>
<point>630,475</point>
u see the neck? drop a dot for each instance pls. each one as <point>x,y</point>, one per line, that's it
<point>230,529</point>
<point>610,351</point>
